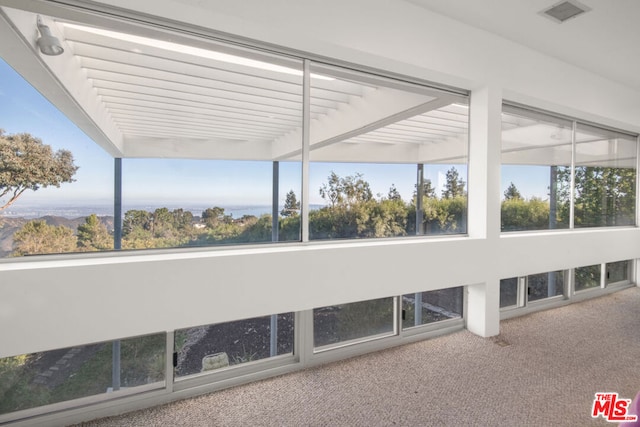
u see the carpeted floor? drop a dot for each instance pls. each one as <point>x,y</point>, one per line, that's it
<point>543,370</point>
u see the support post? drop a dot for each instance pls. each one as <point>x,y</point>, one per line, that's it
<point>553,197</point>
<point>275,196</point>
<point>419,197</point>
<point>275,225</point>
<point>117,245</point>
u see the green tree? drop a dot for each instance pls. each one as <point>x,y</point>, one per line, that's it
<point>28,164</point>
<point>454,186</point>
<point>37,237</point>
<point>291,205</point>
<point>93,235</point>
<point>394,194</point>
<point>512,193</point>
<point>212,217</point>
<point>427,189</point>
<point>346,191</point>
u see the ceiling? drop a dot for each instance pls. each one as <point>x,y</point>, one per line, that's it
<point>142,92</point>
<point>605,40</point>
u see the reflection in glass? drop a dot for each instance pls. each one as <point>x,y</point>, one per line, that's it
<point>211,347</point>
<point>385,155</point>
<point>423,308</point>
<point>587,277</point>
<point>338,324</point>
<point>605,178</point>
<point>618,272</point>
<point>536,160</point>
<point>37,379</point>
<point>545,285</point>
<point>509,292</point>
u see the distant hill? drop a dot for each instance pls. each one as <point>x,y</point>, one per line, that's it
<point>9,225</point>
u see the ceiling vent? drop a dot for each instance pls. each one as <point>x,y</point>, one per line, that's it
<point>564,11</point>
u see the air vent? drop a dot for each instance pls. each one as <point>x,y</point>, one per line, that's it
<point>564,11</point>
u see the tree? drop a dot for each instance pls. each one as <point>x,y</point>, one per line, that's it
<point>37,237</point>
<point>454,186</point>
<point>291,205</point>
<point>28,164</point>
<point>512,193</point>
<point>346,191</point>
<point>215,216</point>
<point>93,235</point>
<point>427,189</point>
<point>394,194</point>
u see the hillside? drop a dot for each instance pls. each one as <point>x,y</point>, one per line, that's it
<point>9,225</point>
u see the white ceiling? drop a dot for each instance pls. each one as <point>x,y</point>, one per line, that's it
<point>605,40</point>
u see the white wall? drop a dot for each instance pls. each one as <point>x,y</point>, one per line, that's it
<point>61,302</point>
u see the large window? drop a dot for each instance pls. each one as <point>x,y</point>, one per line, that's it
<point>388,158</point>
<point>536,151</point>
<point>37,379</point>
<point>537,174</point>
<point>65,204</point>
<point>605,178</point>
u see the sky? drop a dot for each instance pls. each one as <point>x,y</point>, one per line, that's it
<point>169,182</point>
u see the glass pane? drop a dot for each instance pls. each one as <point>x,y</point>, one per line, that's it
<point>37,379</point>
<point>536,160</point>
<point>605,178</point>
<point>385,155</point>
<point>509,292</point>
<point>211,347</point>
<point>337,324</point>
<point>173,203</point>
<point>433,306</point>
<point>587,277</point>
<point>618,271</point>
<point>68,204</point>
<point>545,285</point>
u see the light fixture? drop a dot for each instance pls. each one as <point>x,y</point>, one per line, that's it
<point>48,44</point>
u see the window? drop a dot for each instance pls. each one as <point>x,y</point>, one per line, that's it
<point>211,347</point>
<point>423,308</point>
<point>342,324</point>
<point>605,178</point>
<point>587,277</point>
<point>545,285</point>
<point>536,155</point>
<point>385,155</point>
<point>618,272</point>
<point>38,379</point>
<point>537,174</point>
<point>72,208</point>
<point>509,292</point>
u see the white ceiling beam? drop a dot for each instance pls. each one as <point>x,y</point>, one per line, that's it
<point>375,109</point>
<point>195,148</point>
<point>58,78</point>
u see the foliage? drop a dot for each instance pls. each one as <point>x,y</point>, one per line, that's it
<point>291,205</point>
<point>93,235</point>
<point>512,193</point>
<point>520,214</point>
<point>454,186</point>
<point>28,164</point>
<point>37,237</point>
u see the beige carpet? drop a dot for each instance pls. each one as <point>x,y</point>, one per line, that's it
<point>543,370</point>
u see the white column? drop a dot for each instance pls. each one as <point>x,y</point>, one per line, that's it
<point>485,132</point>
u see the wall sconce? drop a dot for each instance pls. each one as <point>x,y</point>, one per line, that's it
<point>48,44</point>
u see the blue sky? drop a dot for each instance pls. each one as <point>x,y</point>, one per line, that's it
<point>173,182</point>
